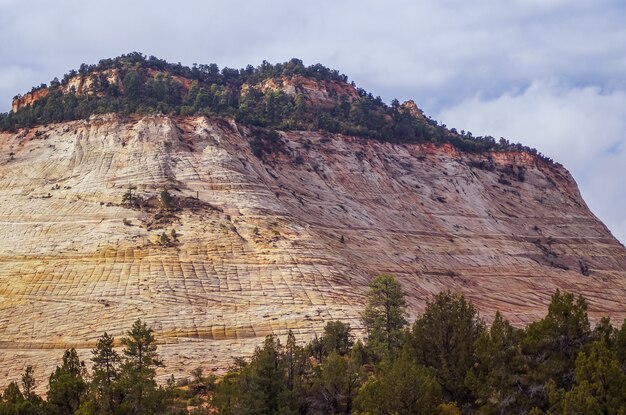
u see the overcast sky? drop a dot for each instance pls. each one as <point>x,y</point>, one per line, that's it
<point>548,73</point>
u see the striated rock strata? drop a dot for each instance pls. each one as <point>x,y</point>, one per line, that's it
<point>264,246</point>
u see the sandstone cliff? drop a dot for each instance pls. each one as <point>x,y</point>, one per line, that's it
<point>28,99</point>
<point>262,246</point>
<point>82,84</point>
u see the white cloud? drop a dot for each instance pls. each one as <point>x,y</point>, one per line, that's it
<point>15,75</point>
<point>10,75</point>
<point>583,128</point>
<point>434,51</point>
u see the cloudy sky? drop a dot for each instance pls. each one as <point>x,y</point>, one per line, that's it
<point>548,73</point>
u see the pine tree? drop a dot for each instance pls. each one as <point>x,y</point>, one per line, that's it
<point>28,383</point>
<point>264,383</point>
<point>385,316</point>
<point>129,198</point>
<point>106,363</point>
<point>550,346</point>
<point>12,394</point>
<point>136,377</point>
<point>443,338</point>
<point>166,199</point>
<point>337,381</point>
<point>600,386</point>
<point>294,360</point>
<point>493,378</point>
<point>619,345</point>
<point>67,386</point>
<point>337,337</point>
<point>227,394</point>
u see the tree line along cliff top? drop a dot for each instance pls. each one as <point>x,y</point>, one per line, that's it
<point>283,96</point>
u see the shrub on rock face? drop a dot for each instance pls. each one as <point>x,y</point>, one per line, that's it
<point>166,199</point>
<point>130,197</point>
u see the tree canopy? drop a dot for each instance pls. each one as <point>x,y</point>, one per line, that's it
<point>385,316</point>
<point>148,85</point>
<point>448,362</point>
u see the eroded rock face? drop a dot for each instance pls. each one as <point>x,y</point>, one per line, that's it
<point>320,94</point>
<point>28,99</point>
<point>288,242</point>
<point>81,84</point>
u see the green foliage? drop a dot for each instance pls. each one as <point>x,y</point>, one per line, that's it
<point>132,85</point>
<point>336,384</point>
<point>141,350</point>
<point>550,346</point>
<point>28,383</point>
<point>67,386</point>
<point>106,395</point>
<point>164,239</point>
<point>400,388</point>
<point>294,359</point>
<point>492,379</point>
<point>130,197</point>
<point>105,360</point>
<point>150,85</point>
<point>125,385</point>
<point>605,332</point>
<point>316,349</point>
<point>448,361</point>
<point>337,338</point>
<point>13,402</point>
<point>385,316</point>
<point>227,394</point>
<point>619,344</point>
<point>600,386</point>
<point>266,143</point>
<point>115,386</point>
<point>444,338</point>
<point>12,394</point>
<point>264,383</point>
<point>166,199</point>
<point>138,370</point>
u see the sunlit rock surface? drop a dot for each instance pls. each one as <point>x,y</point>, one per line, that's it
<point>264,246</point>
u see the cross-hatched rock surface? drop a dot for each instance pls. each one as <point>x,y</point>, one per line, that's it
<point>270,240</point>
